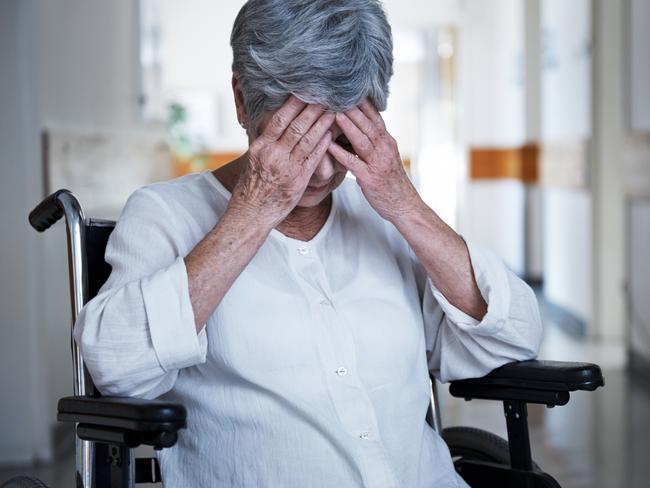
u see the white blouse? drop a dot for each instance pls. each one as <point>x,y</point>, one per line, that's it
<point>314,369</point>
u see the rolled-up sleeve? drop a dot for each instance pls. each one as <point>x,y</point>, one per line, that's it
<point>459,346</point>
<point>139,331</point>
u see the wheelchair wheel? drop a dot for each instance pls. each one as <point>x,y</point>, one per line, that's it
<point>24,482</point>
<point>478,445</point>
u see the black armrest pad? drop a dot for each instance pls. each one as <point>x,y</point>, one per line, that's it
<point>133,414</point>
<point>549,375</point>
<point>535,381</point>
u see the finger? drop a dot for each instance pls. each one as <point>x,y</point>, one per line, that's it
<point>347,159</point>
<point>372,113</point>
<point>299,126</point>
<point>360,142</point>
<point>317,154</point>
<point>363,123</point>
<point>306,144</point>
<point>282,118</point>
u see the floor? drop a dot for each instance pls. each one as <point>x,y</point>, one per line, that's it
<point>601,439</point>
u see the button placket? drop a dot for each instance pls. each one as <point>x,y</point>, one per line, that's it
<point>361,420</point>
<point>349,396</point>
<point>337,352</point>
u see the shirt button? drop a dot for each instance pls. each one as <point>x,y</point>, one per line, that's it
<point>325,303</point>
<point>303,250</point>
<point>364,435</point>
<point>341,371</point>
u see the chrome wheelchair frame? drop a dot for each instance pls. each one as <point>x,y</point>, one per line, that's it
<point>109,428</point>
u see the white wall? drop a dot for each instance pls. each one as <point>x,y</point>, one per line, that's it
<point>422,14</point>
<point>638,272</point>
<point>534,232</point>
<point>608,151</point>
<point>638,62</point>
<point>493,78</point>
<point>567,250</point>
<point>492,83</point>
<point>566,121</point>
<point>89,80</point>
<point>495,215</point>
<point>566,70</point>
<point>23,417</point>
<point>89,91</point>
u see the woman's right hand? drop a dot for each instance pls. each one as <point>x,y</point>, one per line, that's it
<point>282,160</point>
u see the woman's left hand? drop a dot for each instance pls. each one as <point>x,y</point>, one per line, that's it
<point>383,180</point>
<point>377,164</point>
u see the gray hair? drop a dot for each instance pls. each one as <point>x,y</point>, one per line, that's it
<point>332,52</point>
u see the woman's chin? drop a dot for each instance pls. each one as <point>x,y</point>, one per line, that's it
<point>314,196</point>
<point>309,199</point>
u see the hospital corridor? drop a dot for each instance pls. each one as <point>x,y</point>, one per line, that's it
<point>513,136</point>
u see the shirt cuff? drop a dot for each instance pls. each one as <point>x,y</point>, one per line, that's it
<point>492,280</point>
<point>171,318</point>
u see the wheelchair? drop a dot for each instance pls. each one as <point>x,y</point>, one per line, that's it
<point>108,429</point>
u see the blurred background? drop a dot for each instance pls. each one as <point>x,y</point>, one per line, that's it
<point>524,123</point>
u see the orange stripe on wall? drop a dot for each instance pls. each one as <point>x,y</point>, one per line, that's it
<point>530,163</point>
<point>520,163</point>
<point>202,162</point>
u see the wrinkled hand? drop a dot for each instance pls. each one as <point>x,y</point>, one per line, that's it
<point>283,158</point>
<point>377,164</point>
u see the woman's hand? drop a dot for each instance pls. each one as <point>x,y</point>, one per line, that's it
<point>377,164</point>
<point>384,182</point>
<point>282,160</point>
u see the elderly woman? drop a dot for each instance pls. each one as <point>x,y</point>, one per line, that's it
<point>297,313</point>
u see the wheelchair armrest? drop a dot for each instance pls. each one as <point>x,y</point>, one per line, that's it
<point>124,421</point>
<point>535,381</point>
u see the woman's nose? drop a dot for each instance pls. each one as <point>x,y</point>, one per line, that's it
<point>325,170</point>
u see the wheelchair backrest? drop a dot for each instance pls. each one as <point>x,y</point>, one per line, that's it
<point>95,271</point>
<point>96,233</point>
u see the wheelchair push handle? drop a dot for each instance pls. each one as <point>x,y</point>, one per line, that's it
<point>51,209</point>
